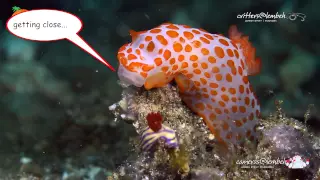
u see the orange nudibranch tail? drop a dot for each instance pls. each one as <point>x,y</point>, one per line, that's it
<point>249,52</point>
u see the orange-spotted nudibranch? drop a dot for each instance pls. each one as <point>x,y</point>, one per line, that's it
<point>210,70</point>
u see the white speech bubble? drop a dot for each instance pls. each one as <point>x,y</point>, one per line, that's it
<point>50,25</point>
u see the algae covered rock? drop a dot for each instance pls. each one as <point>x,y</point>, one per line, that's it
<point>281,138</point>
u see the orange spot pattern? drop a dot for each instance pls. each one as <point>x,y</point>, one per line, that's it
<point>216,84</point>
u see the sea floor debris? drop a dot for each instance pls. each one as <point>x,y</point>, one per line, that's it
<point>205,158</point>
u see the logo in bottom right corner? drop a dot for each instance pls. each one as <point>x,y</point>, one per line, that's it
<point>297,162</point>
